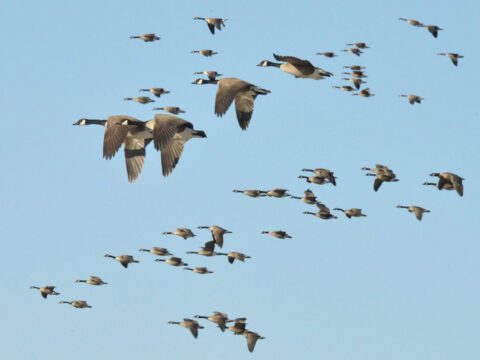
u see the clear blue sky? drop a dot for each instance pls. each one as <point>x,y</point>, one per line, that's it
<point>381,287</point>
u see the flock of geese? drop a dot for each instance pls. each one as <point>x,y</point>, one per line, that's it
<point>170,133</point>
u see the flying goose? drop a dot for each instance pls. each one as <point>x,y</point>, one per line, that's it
<point>354,67</point>
<point>353,50</point>
<point>356,73</point>
<point>208,249</point>
<point>433,29</point>
<point>308,198</point>
<point>382,174</point>
<point>353,212</point>
<point>204,52</point>
<point>204,81</point>
<point>123,259</point>
<point>93,280</point>
<point>445,178</point>
<point>297,67</point>
<point>217,233</point>
<point>134,139</point>
<point>146,37</point>
<point>277,193</point>
<point>356,81</point>
<point>156,91</point>
<point>447,186</point>
<point>140,99</point>
<point>328,54</point>
<point>182,232</point>
<point>323,212</point>
<point>412,98</point>
<point>453,56</point>
<point>189,324</point>
<point>252,338</point>
<point>325,173</point>
<point>157,251</point>
<point>170,133</point>
<point>417,210</point>
<point>79,304</point>
<point>171,109</point>
<point>199,270</point>
<point>234,255</point>
<point>46,290</point>
<point>315,179</point>
<point>243,93</point>
<point>212,75</point>
<point>360,45</point>
<point>251,193</point>
<point>219,318</point>
<point>364,93</point>
<point>412,22</point>
<point>279,234</point>
<point>345,88</point>
<point>174,261</point>
<point>238,327</point>
<point>213,23</point>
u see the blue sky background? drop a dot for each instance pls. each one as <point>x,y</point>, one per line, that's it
<point>385,286</point>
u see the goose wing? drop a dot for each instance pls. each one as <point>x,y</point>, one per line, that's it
<point>244,107</point>
<point>115,134</point>
<point>135,156</point>
<point>226,92</point>
<point>171,154</point>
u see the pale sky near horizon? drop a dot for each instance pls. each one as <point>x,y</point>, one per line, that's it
<point>382,287</point>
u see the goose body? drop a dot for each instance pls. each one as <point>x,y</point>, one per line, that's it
<point>182,232</point>
<point>299,68</point>
<point>315,179</point>
<point>359,45</point>
<point>218,318</point>
<point>449,179</point>
<point>433,29</point>
<point>46,290</point>
<point>124,260</point>
<point>447,186</point>
<point>357,82</point>
<point>174,261</point>
<point>364,93</point>
<point>277,193</point>
<point>205,52</point>
<point>146,37</point>
<point>79,304</point>
<point>279,234</point>
<point>352,212</point>
<point>417,210</point>
<point>345,88</point>
<point>244,94</point>
<point>238,327</point>
<point>93,280</point>
<point>212,23</point>
<point>354,67</point>
<point>157,251</point>
<point>251,193</point>
<point>217,233</point>
<point>324,173</point>
<point>205,81</point>
<point>189,324</point>
<point>158,92</point>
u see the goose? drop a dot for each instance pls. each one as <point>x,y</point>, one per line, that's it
<point>323,212</point>
<point>238,327</point>
<point>377,169</point>
<point>412,22</point>
<point>140,99</point>
<point>325,173</point>
<point>170,133</point>
<point>445,178</point>
<point>135,140</point>
<point>251,192</point>
<point>417,210</point>
<point>189,324</point>
<point>243,93</point>
<point>356,81</point>
<point>447,186</point>
<point>204,52</point>
<point>208,249</point>
<point>356,73</point>
<point>297,67</point>
<point>182,232</point>
<point>382,174</point>
<point>433,29</point>
<point>123,259</point>
<point>218,318</point>
<point>353,212</point>
<point>174,261</point>
<point>354,67</point>
<point>234,255</point>
<point>212,75</point>
<point>93,280</point>
<point>79,304</point>
<point>252,338</point>
<point>328,54</point>
<point>157,251</point>
<point>412,98</point>
<point>279,234</point>
<point>345,88</point>
<point>308,198</point>
<point>360,45</point>
<point>277,193</point>
<point>146,37</point>
<point>353,50</point>
<point>453,56</point>
<point>204,81</point>
<point>217,233</point>
<point>315,179</point>
<point>199,270</point>
<point>364,93</point>
<point>171,109</point>
<point>212,23</point>
<point>46,290</point>
<point>158,92</point>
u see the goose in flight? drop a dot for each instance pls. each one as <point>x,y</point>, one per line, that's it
<point>417,210</point>
<point>412,98</point>
<point>452,56</point>
<point>212,23</point>
<point>412,22</point>
<point>92,280</point>
<point>189,324</point>
<point>297,67</point>
<point>447,179</point>
<point>146,37</point>
<point>46,290</point>
<point>243,93</point>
